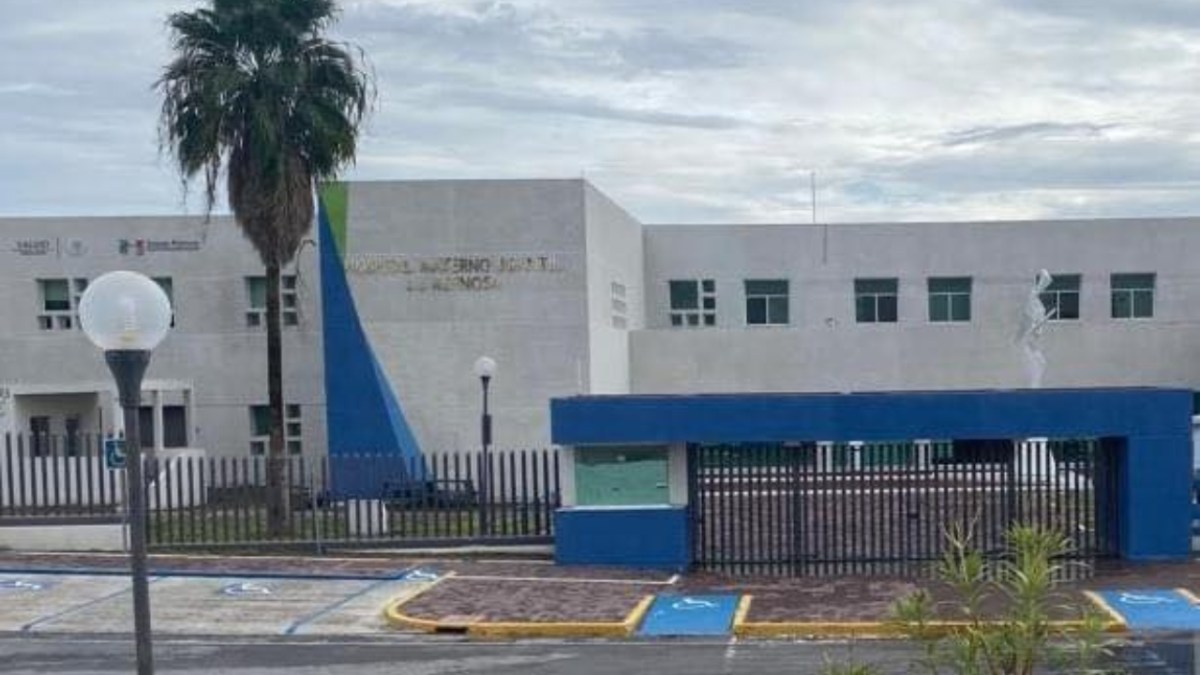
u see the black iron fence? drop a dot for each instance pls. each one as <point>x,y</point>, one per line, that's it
<point>887,507</point>
<point>195,501</point>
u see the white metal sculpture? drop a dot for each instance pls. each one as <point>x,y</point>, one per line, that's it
<point>1033,322</point>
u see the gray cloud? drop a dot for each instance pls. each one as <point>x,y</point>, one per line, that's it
<point>705,110</point>
<point>492,34</point>
<point>1171,13</point>
<point>1001,134</point>
<point>548,103</point>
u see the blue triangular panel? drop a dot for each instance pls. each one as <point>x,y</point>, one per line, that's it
<point>363,415</point>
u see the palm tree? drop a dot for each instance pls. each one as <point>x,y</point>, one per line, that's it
<point>256,94</point>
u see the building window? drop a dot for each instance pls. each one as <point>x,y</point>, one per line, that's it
<point>876,300</point>
<point>949,299</point>
<point>260,429</point>
<point>58,300</point>
<point>693,302</point>
<point>39,436</point>
<point>1061,297</point>
<point>1132,296</point>
<point>168,287</point>
<point>766,302</point>
<point>620,308</point>
<point>256,294</point>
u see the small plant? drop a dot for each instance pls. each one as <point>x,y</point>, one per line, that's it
<point>1023,638</point>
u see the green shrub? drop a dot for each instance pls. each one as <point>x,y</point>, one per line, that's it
<point>1023,639</point>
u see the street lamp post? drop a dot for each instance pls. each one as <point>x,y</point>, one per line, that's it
<point>126,314</point>
<point>485,368</point>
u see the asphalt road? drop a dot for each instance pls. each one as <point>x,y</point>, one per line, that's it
<point>79,655</point>
<point>104,654</point>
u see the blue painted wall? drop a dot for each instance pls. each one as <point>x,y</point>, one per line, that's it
<point>361,410</point>
<point>650,537</point>
<point>1150,427</point>
<point>735,418</point>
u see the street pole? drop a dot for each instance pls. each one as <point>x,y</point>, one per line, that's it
<point>485,435</point>
<point>128,366</point>
<point>127,315</point>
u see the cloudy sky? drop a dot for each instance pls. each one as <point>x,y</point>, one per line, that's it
<point>681,110</point>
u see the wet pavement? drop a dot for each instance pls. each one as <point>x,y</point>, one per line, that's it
<point>294,595</point>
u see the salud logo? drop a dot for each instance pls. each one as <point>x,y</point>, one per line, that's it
<point>136,246</point>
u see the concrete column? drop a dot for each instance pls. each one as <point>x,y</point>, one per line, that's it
<point>923,449</point>
<point>156,398</point>
<point>189,408</point>
<point>824,456</point>
<point>856,452</point>
<point>677,474</point>
<point>1154,500</point>
<point>115,414</point>
<point>566,475</point>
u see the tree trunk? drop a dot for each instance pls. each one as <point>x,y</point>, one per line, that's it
<point>277,489</point>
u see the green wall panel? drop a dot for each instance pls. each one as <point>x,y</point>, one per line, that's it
<point>621,476</point>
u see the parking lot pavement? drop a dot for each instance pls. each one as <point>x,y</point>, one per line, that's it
<point>359,614</point>
<point>26,600</point>
<point>102,604</point>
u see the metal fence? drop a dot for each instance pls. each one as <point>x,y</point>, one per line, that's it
<point>194,501</point>
<point>887,507</point>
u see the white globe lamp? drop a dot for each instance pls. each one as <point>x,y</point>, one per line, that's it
<point>127,315</point>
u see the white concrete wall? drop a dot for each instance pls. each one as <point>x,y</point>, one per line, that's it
<point>428,330</point>
<point>210,346</point>
<point>614,254</point>
<point>104,537</point>
<point>550,328</point>
<point>88,407</point>
<point>824,349</point>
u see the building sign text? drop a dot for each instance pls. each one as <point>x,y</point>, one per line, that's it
<point>451,273</point>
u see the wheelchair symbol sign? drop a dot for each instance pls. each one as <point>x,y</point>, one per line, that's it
<point>420,575</point>
<point>1141,599</point>
<point>245,588</point>
<point>20,585</point>
<point>688,604</point>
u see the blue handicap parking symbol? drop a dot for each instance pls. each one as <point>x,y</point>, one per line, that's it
<point>1154,609</point>
<point>246,588</point>
<point>22,585</point>
<point>419,575</point>
<point>679,615</point>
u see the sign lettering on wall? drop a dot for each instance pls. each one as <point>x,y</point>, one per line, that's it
<point>33,246</point>
<point>144,246</point>
<point>45,247</point>
<point>451,273</point>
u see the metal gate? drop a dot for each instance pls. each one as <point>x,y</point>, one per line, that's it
<point>883,508</point>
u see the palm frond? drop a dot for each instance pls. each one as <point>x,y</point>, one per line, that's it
<point>256,94</point>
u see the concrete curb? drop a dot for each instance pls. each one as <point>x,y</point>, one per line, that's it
<point>564,629</point>
<point>395,617</point>
<point>1117,623</point>
<point>885,629</point>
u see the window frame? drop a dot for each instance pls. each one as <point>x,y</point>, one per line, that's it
<point>65,318</point>
<point>289,301</point>
<point>876,296</point>
<point>953,311</point>
<point>1052,297</point>
<point>770,301</point>
<point>1132,293</point>
<point>293,429</point>
<point>703,314</point>
<point>167,284</point>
